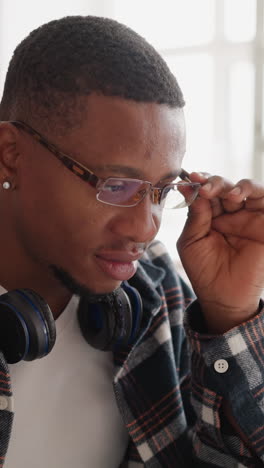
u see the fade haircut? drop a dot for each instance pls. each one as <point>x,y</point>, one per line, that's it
<point>75,56</point>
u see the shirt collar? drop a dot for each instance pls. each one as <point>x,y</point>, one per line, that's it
<point>146,279</point>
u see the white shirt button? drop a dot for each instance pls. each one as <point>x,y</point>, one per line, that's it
<point>221,366</point>
<point>3,402</point>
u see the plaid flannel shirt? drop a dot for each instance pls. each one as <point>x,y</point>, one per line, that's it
<point>166,385</point>
<point>168,390</point>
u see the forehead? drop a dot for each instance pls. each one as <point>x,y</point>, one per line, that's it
<point>148,137</point>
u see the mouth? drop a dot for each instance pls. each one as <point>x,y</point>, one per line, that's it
<point>117,270</point>
<point>119,266</point>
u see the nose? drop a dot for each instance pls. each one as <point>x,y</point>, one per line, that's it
<point>138,223</point>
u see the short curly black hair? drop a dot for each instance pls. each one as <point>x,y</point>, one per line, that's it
<point>76,56</point>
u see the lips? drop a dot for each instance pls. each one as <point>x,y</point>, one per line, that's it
<point>117,270</point>
<point>119,266</point>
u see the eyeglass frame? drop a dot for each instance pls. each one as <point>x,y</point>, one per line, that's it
<point>87,175</point>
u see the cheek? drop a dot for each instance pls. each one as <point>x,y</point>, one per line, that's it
<point>56,221</point>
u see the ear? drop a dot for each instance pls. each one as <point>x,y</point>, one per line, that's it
<point>9,151</point>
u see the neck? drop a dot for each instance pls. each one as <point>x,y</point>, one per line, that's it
<point>18,271</point>
<point>52,293</point>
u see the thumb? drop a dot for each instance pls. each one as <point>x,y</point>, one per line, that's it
<point>198,223</point>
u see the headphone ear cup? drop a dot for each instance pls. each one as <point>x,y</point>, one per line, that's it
<point>136,307</point>
<point>27,329</point>
<point>107,322</point>
<point>113,321</point>
<point>45,314</point>
<point>95,325</point>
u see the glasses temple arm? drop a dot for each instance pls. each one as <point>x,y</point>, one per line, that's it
<point>184,175</point>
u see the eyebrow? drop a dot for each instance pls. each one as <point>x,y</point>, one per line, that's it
<point>133,172</point>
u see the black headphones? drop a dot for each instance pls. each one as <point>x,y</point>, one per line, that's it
<point>28,328</point>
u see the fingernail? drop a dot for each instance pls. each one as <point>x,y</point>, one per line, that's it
<point>235,191</point>
<point>207,186</point>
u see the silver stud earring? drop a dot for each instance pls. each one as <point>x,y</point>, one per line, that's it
<point>6,185</point>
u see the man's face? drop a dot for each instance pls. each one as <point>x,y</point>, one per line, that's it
<point>58,219</point>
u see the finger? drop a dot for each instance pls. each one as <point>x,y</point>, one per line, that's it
<point>200,177</point>
<point>248,190</point>
<point>243,224</point>
<point>198,223</point>
<point>216,186</point>
<point>254,204</point>
<point>217,207</point>
<point>220,206</point>
<point>231,206</point>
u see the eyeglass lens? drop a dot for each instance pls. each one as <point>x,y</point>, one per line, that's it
<point>129,192</point>
<point>179,195</point>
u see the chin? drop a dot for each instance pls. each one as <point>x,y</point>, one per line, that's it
<point>81,289</point>
<point>105,289</point>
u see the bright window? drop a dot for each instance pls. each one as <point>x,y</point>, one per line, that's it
<point>214,48</point>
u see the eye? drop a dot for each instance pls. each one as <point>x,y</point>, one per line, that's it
<point>114,186</point>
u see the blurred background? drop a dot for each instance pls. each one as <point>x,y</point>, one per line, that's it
<point>215,50</point>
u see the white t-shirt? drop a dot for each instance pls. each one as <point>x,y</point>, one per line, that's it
<point>66,414</point>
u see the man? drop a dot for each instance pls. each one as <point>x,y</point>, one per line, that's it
<point>92,139</point>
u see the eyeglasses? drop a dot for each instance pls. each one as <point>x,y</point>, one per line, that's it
<point>122,191</point>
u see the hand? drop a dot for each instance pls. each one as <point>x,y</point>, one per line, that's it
<point>222,250</point>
